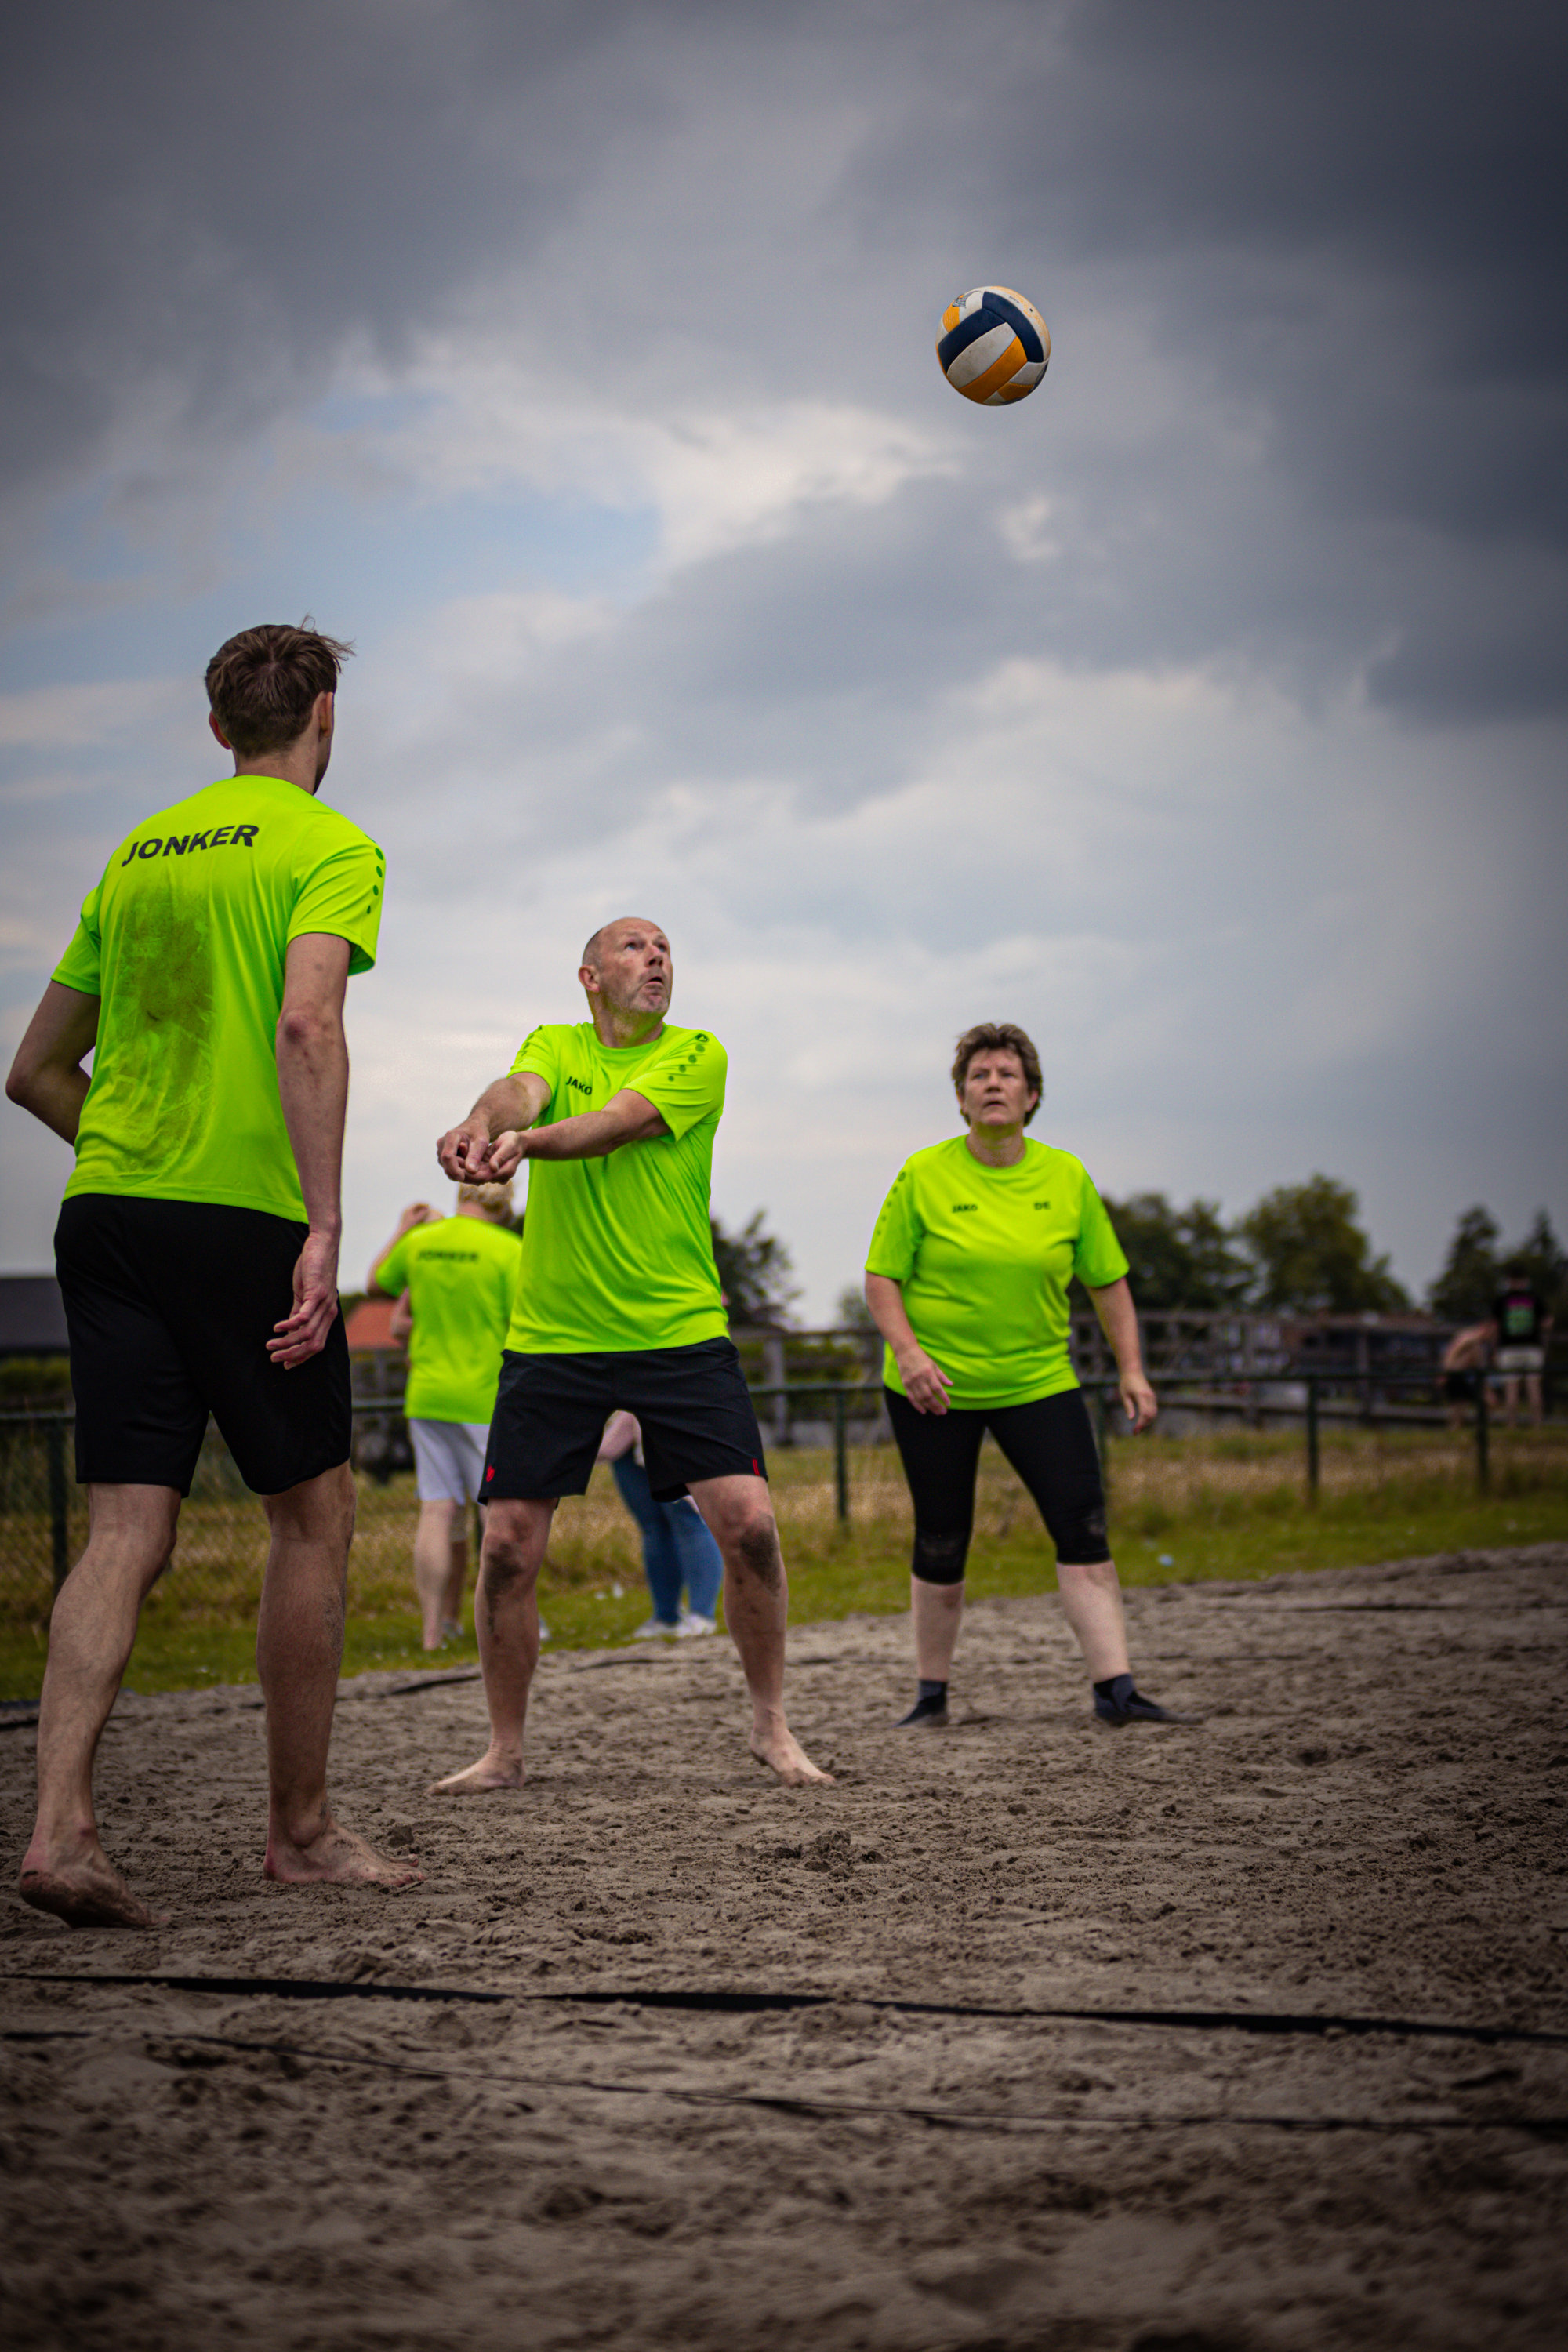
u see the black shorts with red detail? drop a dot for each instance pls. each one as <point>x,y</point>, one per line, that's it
<point>696,1413</point>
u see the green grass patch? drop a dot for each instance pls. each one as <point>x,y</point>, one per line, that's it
<point>1231,1508</point>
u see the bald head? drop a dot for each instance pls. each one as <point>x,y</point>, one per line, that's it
<point>627,974</point>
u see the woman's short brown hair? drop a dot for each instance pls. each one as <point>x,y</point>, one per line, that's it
<point>997,1037</point>
<point>262,684</point>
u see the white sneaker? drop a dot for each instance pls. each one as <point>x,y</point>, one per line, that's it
<point>653,1628</point>
<point>691,1622</point>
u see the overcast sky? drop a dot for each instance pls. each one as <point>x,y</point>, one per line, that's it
<point>1205,713</point>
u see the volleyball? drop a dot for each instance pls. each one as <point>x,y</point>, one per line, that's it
<point>995,346</point>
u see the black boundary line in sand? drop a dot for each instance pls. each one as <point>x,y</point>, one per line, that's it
<point>949,2118</point>
<point>726,2002</point>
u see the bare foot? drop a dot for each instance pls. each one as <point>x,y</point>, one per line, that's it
<point>782,1752</point>
<point>491,1771</point>
<point>85,1892</point>
<point>334,1857</point>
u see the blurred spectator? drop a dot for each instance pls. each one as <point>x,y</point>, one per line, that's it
<point>1464,1363</point>
<point>1522,1326</point>
<point>676,1548</point>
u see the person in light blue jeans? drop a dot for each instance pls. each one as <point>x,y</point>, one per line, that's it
<point>676,1548</point>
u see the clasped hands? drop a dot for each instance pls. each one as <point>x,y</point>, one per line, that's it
<point>471,1155</point>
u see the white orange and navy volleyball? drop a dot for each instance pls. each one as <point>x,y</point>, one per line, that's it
<point>995,346</point>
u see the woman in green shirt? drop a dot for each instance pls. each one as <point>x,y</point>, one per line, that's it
<point>967,1280</point>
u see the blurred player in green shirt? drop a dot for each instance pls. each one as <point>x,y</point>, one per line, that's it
<point>461,1273</point>
<point>618,1308</point>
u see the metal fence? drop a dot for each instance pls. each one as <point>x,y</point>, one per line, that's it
<point>1291,1439</point>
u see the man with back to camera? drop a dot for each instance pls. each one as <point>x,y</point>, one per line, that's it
<point>460,1274</point>
<point>617,1308</point>
<point>197,1244</point>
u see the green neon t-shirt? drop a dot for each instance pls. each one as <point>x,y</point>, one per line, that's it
<point>461,1280</point>
<point>184,941</point>
<point>617,1253</point>
<point>984,1256</point>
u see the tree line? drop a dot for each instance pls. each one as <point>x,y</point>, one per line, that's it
<point>1301,1250</point>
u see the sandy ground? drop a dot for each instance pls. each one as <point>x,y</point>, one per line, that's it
<point>960,2133</point>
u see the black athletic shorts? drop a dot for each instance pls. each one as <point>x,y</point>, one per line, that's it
<point>170,1305</point>
<point>1460,1387</point>
<point>695,1410</point>
<point>1049,1443</point>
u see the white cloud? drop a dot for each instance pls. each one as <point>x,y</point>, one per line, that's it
<point>464,418</point>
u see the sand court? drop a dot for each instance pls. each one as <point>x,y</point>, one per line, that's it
<point>1026,2034</point>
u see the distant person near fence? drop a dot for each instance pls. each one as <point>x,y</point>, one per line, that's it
<point>460,1276</point>
<point>1522,1326</point>
<point>1464,1368</point>
<point>197,1244</point>
<point>678,1553</point>
<point>968,1278</point>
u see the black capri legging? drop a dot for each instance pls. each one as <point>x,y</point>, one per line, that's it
<point>1049,1443</point>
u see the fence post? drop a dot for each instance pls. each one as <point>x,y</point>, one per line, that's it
<point>1483,1463</point>
<point>59,1499</point>
<point>1314,1465</point>
<point>774,1375</point>
<point>841,1460</point>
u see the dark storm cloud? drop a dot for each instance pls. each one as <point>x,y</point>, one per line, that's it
<point>1343,221</point>
<point>213,199</point>
<point>1357,211</point>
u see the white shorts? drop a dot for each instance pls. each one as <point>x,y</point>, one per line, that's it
<point>449,1459</point>
<point>1520,1359</point>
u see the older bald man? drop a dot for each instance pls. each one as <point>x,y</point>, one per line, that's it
<point>618,1308</point>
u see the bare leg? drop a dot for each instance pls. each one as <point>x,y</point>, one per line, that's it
<point>1091,1604</point>
<point>756,1609</point>
<point>506,1616</point>
<point>298,1649</point>
<point>65,1869</point>
<point>937,1609</point>
<point>433,1546</point>
<point>456,1574</point>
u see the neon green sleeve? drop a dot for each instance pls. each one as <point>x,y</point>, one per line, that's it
<point>540,1055</point>
<point>81,966</point>
<point>342,896</point>
<point>1098,1257</point>
<point>685,1085</point>
<point>896,1238</point>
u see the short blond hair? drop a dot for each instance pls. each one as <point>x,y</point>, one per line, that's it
<point>495,1199</point>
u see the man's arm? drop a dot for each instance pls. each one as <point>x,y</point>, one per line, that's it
<point>47,1076</point>
<point>418,1213</point>
<point>499,1133</point>
<point>1119,1321</point>
<point>313,1085</point>
<point>626,1118</point>
<point>467,1152</point>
